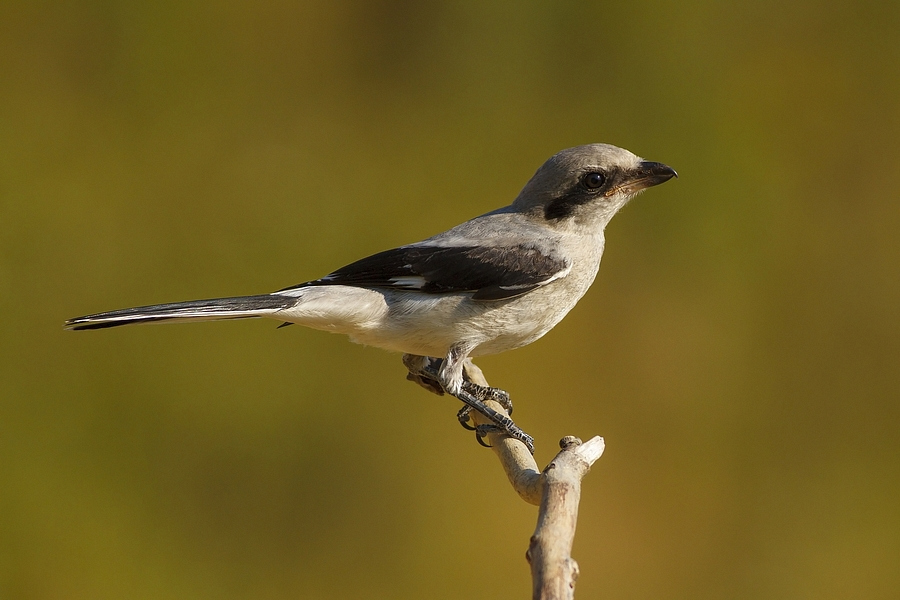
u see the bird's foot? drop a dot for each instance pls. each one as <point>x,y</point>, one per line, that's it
<point>489,394</point>
<point>501,422</point>
<point>425,371</point>
<point>484,394</point>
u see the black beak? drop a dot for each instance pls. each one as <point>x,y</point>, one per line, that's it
<point>654,173</point>
<point>646,175</point>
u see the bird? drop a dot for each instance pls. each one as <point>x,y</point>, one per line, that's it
<point>494,283</point>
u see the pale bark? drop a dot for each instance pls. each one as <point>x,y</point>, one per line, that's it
<point>557,491</point>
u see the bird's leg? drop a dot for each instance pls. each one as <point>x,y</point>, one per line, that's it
<point>474,396</point>
<point>476,384</point>
<point>424,370</point>
<point>434,375</point>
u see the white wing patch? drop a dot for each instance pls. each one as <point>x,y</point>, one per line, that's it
<point>550,279</point>
<point>411,282</point>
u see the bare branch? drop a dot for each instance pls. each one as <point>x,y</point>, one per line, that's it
<point>557,490</point>
<point>553,570</point>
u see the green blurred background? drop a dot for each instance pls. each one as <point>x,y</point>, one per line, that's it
<point>740,350</point>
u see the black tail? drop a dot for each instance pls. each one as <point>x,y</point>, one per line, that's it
<point>215,309</point>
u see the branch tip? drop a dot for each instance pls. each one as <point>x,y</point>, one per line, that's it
<point>569,442</point>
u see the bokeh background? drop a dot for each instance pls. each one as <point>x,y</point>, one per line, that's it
<point>740,350</point>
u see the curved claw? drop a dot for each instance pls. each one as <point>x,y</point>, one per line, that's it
<point>463,418</point>
<point>481,431</point>
<point>465,425</point>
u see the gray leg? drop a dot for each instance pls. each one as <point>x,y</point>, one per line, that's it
<point>450,374</point>
<point>476,384</point>
<point>423,371</point>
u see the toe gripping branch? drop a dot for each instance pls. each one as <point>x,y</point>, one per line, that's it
<point>474,397</point>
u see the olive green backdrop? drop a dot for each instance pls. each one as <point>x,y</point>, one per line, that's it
<point>739,351</point>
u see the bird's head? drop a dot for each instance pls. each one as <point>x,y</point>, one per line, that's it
<point>586,185</point>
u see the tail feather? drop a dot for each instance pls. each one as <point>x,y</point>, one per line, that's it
<point>215,309</point>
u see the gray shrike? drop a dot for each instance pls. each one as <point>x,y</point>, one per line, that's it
<point>497,282</point>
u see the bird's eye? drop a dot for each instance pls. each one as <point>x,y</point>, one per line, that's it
<point>592,181</point>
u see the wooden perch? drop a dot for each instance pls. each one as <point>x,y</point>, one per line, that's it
<point>553,570</point>
<point>556,490</point>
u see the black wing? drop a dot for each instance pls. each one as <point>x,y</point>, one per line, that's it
<point>493,273</point>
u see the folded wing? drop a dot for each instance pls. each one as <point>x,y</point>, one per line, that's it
<point>490,272</point>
